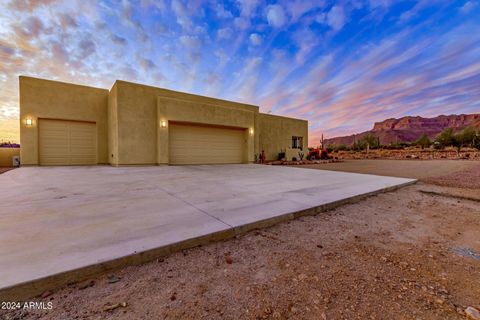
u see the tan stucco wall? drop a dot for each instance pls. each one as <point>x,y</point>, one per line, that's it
<point>276,133</point>
<point>138,119</point>
<point>112,113</point>
<point>6,155</point>
<point>41,98</point>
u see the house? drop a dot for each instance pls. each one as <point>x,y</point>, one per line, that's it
<point>134,124</point>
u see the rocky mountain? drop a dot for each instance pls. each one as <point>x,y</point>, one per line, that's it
<point>409,129</point>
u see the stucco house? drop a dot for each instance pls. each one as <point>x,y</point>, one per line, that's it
<point>134,124</point>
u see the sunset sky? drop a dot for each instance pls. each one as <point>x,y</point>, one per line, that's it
<point>340,64</point>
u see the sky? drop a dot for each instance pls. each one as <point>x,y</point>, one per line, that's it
<point>342,65</point>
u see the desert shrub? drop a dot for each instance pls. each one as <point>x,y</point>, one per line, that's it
<point>423,142</point>
<point>340,147</point>
<point>445,138</point>
<point>466,137</point>
<point>367,140</point>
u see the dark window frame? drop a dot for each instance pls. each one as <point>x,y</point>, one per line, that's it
<point>297,142</point>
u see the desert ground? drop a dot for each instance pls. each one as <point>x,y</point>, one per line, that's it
<point>4,169</point>
<point>409,254</point>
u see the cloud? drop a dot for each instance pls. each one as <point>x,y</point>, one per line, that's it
<point>297,8</point>
<point>221,12</point>
<point>380,3</point>
<point>246,80</point>
<point>117,39</point>
<point>190,42</point>
<point>67,21</point>
<point>256,39</point>
<point>321,18</point>
<point>146,64</point>
<point>30,5</point>
<point>336,18</point>
<point>158,4</point>
<point>87,47</point>
<point>241,23</point>
<point>30,28</point>
<point>418,7</point>
<point>182,15</point>
<point>224,33</point>
<point>247,7</point>
<point>467,7</point>
<point>222,57</point>
<point>276,16</point>
<point>306,40</point>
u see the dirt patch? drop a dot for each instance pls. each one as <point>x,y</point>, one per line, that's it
<point>466,178</point>
<point>5,169</point>
<point>416,169</point>
<point>406,254</point>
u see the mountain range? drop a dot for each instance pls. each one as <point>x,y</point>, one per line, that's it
<point>409,129</point>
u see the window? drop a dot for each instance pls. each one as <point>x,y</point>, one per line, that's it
<point>297,142</point>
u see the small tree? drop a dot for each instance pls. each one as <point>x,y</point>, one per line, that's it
<point>466,137</point>
<point>423,141</point>
<point>476,141</point>
<point>341,147</point>
<point>368,141</point>
<point>445,138</point>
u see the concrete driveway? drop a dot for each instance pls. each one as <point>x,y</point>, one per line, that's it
<point>62,224</point>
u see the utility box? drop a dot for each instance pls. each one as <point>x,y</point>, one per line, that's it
<point>16,161</point>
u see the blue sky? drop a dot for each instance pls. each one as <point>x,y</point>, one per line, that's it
<point>340,64</point>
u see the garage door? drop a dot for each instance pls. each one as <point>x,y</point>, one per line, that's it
<point>193,144</point>
<point>67,142</point>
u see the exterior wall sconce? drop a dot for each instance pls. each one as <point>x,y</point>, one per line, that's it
<point>251,131</point>
<point>28,122</point>
<point>163,124</point>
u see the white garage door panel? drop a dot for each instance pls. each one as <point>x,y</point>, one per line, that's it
<point>67,142</point>
<point>192,144</point>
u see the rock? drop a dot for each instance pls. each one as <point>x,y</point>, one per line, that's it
<point>115,306</point>
<point>302,277</point>
<point>173,297</point>
<point>86,284</point>
<point>46,294</point>
<point>472,314</point>
<point>228,259</point>
<point>113,279</point>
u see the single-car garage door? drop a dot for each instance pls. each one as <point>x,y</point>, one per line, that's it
<point>197,144</point>
<point>67,142</point>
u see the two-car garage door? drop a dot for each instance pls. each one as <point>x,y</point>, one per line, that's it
<point>63,142</point>
<point>67,142</point>
<point>201,144</point>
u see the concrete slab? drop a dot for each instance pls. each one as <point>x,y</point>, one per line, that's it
<point>63,224</point>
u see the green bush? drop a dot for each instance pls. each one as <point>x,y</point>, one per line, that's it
<point>468,137</point>
<point>423,142</point>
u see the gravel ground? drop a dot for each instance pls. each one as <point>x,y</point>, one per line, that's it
<point>466,179</point>
<point>417,169</point>
<point>408,254</point>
